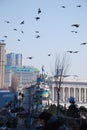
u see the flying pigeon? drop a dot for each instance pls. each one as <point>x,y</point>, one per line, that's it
<point>2,40</point>
<point>19,40</point>
<point>22,22</point>
<point>75,25</point>
<point>78,5</point>
<point>15,29</point>
<point>63,6</point>
<point>37,36</point>
<point>75,51</point>
<point>22,31</point>
<point>74,31</point>
<point>37,18</point>
<point>49,54</point>
<point>30,57</point>
<point>37,31</point>
<point>7,21</point>
<point>5,36</point>
<point>39,11</point>
<point>84,43</point>
<point>70,51</point>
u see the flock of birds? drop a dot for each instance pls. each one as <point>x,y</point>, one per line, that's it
<point>37,32</point>
<point>37,18</point>
<point>73,31</point>
<point>5,36</point>
<point>21,23</point>
<point>76,25</point>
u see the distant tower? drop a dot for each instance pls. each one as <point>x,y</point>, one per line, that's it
<point>13,59</point>
<point>10,59</point>
<point>18,60</point>
<point>2,63</point>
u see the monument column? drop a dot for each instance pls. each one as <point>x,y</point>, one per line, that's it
<point>63,94</point>
<point>74,92</point>
<point>84,94</point>
<point>2,63</point>
<point>79,94</point>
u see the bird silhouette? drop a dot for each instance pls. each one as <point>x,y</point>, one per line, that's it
<point>37,18</point>
<point>30,57</point>
<point>49,54</point>
<point>37,36</point>
<point>15,29</point>
<point>75,51</point>
<point>22,31</point>
<point>5,36</point>
<point>78,6</point>
<point>74,31</point>
<point>22,22</point>
<point>63,6</point>
<point>70,51</point>
<point>18,40</point>
<point>2,40</point>
<point>7,21</point>
<point>39,11</point>
<point>75,25</point>
<point>37,31</point>
<point>84,43</point>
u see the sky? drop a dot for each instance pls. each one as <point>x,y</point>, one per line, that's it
<point>55,31</point>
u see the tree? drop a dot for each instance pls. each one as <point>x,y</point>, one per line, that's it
<point>61,66</point>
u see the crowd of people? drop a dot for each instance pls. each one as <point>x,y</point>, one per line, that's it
<point>48,121</point>
<point>74,119</point>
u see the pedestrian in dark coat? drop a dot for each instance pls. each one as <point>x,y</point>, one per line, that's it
<point>51,122</point>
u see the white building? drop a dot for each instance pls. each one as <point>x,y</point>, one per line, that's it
<point>69,88</point>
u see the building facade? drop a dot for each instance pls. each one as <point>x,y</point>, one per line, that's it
<point>13,59</point>
<point>69,88</point>
<point>2,62</point>
<point>25,75</point>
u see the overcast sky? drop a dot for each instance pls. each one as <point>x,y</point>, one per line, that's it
<point>57,36</point>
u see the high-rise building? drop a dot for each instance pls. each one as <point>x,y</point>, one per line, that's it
<point>18,60</point>
<point>13,59</point>
<point>2,63</point>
